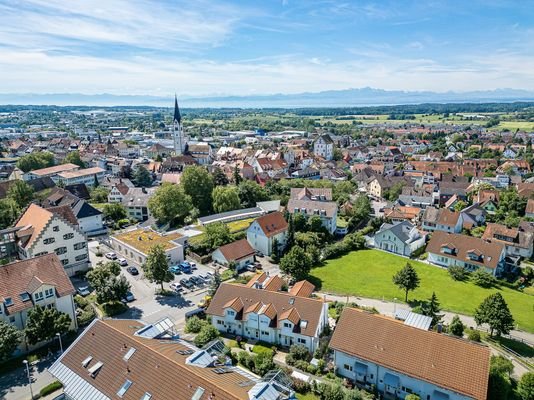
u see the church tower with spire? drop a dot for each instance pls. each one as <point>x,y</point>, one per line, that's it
<point>177,130</point>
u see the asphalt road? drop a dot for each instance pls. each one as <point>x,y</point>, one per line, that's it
<point>14,385</point>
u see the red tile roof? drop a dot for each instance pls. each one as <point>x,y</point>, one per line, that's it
<point>237,250</point>
<point>272,224</point>
<point>447,362</point>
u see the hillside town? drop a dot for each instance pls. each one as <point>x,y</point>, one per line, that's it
<point>161,258</point>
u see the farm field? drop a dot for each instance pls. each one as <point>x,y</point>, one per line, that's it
<point>368,273</point>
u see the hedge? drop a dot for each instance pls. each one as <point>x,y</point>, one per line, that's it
<point>51,388</point>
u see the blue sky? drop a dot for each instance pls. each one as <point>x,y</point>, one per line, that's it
<point>209,47</point>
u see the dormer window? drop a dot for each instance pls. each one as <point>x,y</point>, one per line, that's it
<point>448,249</point>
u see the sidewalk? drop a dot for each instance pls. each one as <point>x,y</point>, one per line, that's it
<point>388,308</point>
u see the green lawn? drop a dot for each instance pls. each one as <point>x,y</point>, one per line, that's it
<point>368,273</point>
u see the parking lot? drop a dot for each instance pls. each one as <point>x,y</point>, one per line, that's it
<point>148,306</point>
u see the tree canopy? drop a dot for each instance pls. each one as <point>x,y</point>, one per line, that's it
<point>37,160</point>
<point>156,267</point>
<point>495,312</point>
<point>170,204</point>
<point>250,193</point>
<point>10,338</point>
<point>21,193</point>
<point>142,177</point>
<point>406,279</point>
<point>297,263</point>
<point>43,324</point>
<point>225,198</point>
<point>198,183</point>
<point>73,157</point>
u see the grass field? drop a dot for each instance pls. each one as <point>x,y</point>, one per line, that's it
<point>368,273</point>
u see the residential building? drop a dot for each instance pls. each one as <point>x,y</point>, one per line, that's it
<point>36,281</point>
<point>324,147</point>
<point>263,232</point>
<point>309,202</point>
<point>136,203</point>
<point>201,152</point>
<point>442,219</point>
<point>117,192</point>
<point>518,243</point>
<point>239,252</point>
<point>471,253</point>
<point>136,244</point>
<point>50,171</point>
<point>375,351</point>
<point>473,215</point>
<point>129,359</point>
<point>53,230</point>
<point>401,238</point>
<point>529,210</point>
<point>270,316</point>
<point>87,176</point>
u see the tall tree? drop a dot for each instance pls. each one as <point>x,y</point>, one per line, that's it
<point>9,211</point>
<point>170,204</point>
<point>215,283</point>
<point>406,279</point>
<point>9,340</point>
<point>21,193</point>
<point>296,263</point>
<point>495,312</point>
<point>432,309</point>
<point>142,177</point>
<point>156,267</point>
<point>114,211</point>
<point>250,193</point>
<point>108,285</point>
<point>44,323</point>
<point>33,161</point>
<point>219,177</point>
<point>73,157</point>
<point>198,184</point>
<point>237,176</point>
<point>225,198</point>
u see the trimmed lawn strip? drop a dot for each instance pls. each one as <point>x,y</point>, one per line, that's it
<point>368,273</point>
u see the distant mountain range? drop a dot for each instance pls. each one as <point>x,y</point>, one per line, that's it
<point>330,98</point>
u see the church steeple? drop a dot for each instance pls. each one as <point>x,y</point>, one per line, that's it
<point>177,130</point>
<point>177,116</point>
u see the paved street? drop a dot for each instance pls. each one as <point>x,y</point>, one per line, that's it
<point>14,385</point>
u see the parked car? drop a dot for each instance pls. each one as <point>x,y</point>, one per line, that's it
<point>83,291</point>
<point>199,312</point>
<point>204,302</point>
<point>122,262</point>
<point>185,283</point>
<point>176,287</point>
<point>185,267</point>
<point>133,270</point>
<point>193,265</point>
<point>250,268</point>
<point>175,269</point>
<point>111,256</point>
<point>197,280</point>
<point>128,298</point>
<point>205,277</point>
<point>257,264</point>
<point>259,254</point>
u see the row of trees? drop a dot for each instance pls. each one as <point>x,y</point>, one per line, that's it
<point>492,311</point>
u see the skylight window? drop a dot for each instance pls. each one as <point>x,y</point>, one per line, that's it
<point>198,393</point>
<point>146,396</point>
<point>8,301</point>
<point>93,371</point>
<point>124,388</point>
<point>129,353</point>
<point>86,362</point>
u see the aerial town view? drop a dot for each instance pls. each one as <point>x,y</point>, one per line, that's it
<point>267,200</point>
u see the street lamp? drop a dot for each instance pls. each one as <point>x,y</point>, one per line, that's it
<point>60,344</point>
<point>29,377</point>
<point>394,307</point>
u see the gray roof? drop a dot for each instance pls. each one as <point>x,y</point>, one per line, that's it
<point>137,197</point>
<point>245,213</point>
<point>400,229</point>
<point>330,207</point>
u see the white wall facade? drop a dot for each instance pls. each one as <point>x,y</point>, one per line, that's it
<point>260,242</point>
<point>353,368</point>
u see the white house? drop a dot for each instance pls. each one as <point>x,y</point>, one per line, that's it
<point>53,230</point>
<point>136,203</point>
<point>324,147</point>
<point>263,231</point>
<point>402,238</point>
<point>326,210</point>
<point>36,281</point>
<point>442,219</point>
<point>239,252</point>
<point>374,351</point>
<point>517,242</point>
<point>270,316</point>
<point>89,218</point>
<point>136,244</point>
<point>50,171</point>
